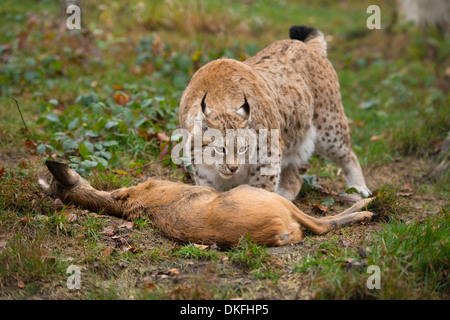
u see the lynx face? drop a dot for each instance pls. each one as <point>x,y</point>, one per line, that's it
<point>227,137</point>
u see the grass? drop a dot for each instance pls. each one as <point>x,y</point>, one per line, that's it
<point>105,99</point>
<point>413,257</point>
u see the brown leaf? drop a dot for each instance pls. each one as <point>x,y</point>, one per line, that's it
<point>110,230</point>
<point>71,217</point>
<point>362,252</point>
<point>128,225</point>
<point>108,251</point>
<point>407,187</point>
<point>132,249</point>
<point>375,138</point>
<point>20,284</point>
<point>404,194</point>
<point>121,98</point>
<point>80,236</point>
<point>162,136</point>
<point>173,272</point>
<point>2,171</point>
<point>346,243</point>
<point>57,204</point>
<point>202,247</point>
<point>2,245</point>
<point>320,208</point>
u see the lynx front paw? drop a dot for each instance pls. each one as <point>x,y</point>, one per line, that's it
<point>362,190</point>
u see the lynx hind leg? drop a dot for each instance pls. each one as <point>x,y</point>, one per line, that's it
<point>290,182</point>
<point>333,142</point>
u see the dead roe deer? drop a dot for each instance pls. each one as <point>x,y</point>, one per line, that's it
<point>200,214</point>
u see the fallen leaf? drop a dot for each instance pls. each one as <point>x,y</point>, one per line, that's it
<point>320,207</point>
<point>346,243</point>
<point>2,245</point>
<point>173,272</point>
<point>407,187</point>
<point>404,194</point>
<point>128,225</point>
<point>132,249</point>
<point>2,171</point>
<point>108,251</point>
<point>121,172</point>
<point>110,230</point>
<point>362,252</point>
<point>117,87</point>
<point>162,136</point>
<point>121,98</point>
<point>80,236</point>
<point>71,217</point>
<point>20,284</point>
<point>375,138</point>
<point>202,247</point>
<point>57,204</point>
<point>148,286</point>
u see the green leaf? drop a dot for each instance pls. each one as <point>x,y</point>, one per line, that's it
<point>110,143</point>
<point>73,124</point>
<point>40,148</point>
<point>52,117</point>
<point>111,124</point>
<point>352,190</point>
<point>84,150</point>
<point>329,201</point>
<point>69,144</point>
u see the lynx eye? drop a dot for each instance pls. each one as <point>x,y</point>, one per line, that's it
<point>242,149</point>
<point>220,150</point>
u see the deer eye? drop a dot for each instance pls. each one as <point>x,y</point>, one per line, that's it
<point>242,149</point>
<point>220,150</point>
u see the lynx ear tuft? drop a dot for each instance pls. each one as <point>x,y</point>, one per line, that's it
<point>244,110</point>
<point>205,108</point>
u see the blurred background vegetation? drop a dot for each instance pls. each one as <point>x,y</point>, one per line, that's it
<point>107,95</point>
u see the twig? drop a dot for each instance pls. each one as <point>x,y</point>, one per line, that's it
<point>146,165</point>
<point>23,121</point>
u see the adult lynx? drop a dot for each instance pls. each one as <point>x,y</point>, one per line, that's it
<point>289,87</point>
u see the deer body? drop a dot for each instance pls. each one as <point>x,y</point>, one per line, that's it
<point>200,214</point>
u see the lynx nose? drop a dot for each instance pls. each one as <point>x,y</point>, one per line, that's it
<point>233,168</point>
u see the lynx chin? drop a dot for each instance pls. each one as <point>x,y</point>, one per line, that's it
<point>290,86</point>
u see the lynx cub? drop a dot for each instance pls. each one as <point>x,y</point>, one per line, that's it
<point>289,86</point>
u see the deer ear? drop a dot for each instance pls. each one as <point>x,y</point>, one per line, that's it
<point>244,110</point>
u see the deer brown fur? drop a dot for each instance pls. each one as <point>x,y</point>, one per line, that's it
<point>200,214</point>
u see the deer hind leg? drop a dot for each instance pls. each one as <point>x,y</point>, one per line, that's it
<point>323,225</point>
<point>69,186</point>
<point>358,206</point>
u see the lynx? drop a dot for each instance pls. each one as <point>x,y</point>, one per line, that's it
<point>291,88</point>
<point>200,214</point>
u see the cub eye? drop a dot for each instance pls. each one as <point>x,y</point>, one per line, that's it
<point>242,149</point>
<point>220,150</point>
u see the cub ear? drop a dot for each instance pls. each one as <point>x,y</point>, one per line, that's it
<point>244,110</point>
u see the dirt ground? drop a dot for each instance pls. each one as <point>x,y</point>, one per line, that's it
<point>109,274</point>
